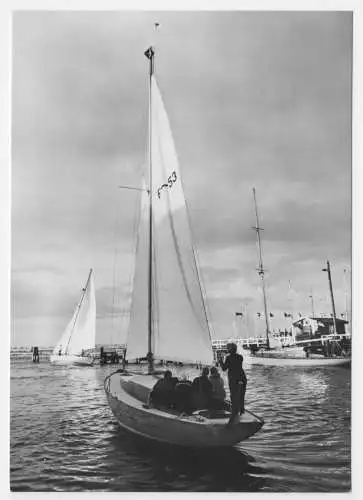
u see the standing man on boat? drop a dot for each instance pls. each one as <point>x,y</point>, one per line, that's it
<point>236,379</point>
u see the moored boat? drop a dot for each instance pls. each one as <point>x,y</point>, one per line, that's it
<point>292,357</point>
<point>71,360</point>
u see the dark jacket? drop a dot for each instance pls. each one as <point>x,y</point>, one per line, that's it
<point>202,384</point>
<point>163,392</point>
<point>202,392</point>
<point>184,397</point>
<point>217,387</point>
<point>233,364</point>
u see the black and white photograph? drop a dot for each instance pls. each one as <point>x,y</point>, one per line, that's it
<point>180,284</point>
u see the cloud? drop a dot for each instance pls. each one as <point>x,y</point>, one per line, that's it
<point>255,99</point>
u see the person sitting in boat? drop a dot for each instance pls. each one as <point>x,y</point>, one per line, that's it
<point>184,396</point>
<point>237,380</point>
<point>162,394</point>
<point>202,390</point>
<point>218,392</point>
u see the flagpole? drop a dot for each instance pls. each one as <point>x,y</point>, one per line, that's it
<point>312,302</point>
<point>291,291</point>
<point>261,270</point>
<point>246,317</point>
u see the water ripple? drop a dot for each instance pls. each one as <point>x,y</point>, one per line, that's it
<point>64,437</point>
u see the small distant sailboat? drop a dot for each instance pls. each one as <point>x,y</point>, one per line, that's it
<point>80,333</point>
<point>168,315</point>
<point>296,353</point>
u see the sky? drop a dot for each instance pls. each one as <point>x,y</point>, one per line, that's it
<point>255,99</point>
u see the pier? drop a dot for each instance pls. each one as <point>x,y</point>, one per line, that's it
<point>27,353</point>
<point>107,354</point>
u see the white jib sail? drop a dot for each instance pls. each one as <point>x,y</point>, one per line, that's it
<point>80,333</point>
<point>62,343</point>
<point>180,325</point>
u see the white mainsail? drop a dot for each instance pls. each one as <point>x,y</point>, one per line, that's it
<point>180,325</point>
<point>137,339</point>
<point>80,333</point>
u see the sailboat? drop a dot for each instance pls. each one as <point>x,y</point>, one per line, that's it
<point>168,319</point>
<point>318,351</point>
<point>80,333</point>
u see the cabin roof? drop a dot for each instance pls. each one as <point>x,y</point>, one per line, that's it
<point>328,321</point>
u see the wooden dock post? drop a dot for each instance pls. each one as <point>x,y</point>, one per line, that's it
<point>35,354</point>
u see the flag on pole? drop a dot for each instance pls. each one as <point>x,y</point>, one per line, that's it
<point>239,314</point>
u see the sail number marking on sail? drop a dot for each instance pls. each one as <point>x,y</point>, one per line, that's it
<point>171,180</point>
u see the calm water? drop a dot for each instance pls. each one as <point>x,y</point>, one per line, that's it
<point>64,437</point>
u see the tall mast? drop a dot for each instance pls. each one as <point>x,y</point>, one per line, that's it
<point>260,269</point>
<point>327,269</point>
<point>79,308</point>
<point>150,53</point>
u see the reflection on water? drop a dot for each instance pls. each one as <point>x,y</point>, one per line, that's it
<point>64,437</point>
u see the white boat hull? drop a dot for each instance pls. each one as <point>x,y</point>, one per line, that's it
<point>71,360</point>
<point>268,360</point>
<point>169,427</point>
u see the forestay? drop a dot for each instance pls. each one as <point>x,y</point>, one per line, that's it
<point>180,326</point>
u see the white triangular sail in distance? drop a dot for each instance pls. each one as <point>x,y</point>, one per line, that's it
<point>80,333</point>
<point>62,343</point>
<point>180,325</point>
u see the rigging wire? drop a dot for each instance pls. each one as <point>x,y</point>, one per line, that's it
<point>114,278</point>
<point>136,231</point>
<point>202,288</point>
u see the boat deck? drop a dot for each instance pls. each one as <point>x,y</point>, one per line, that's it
<point>134,391</point>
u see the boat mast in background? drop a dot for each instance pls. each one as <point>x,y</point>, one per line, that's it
<point>327,269</point>
<point>260,268</point>
<point>346,314</point>
<point>311,297</point>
